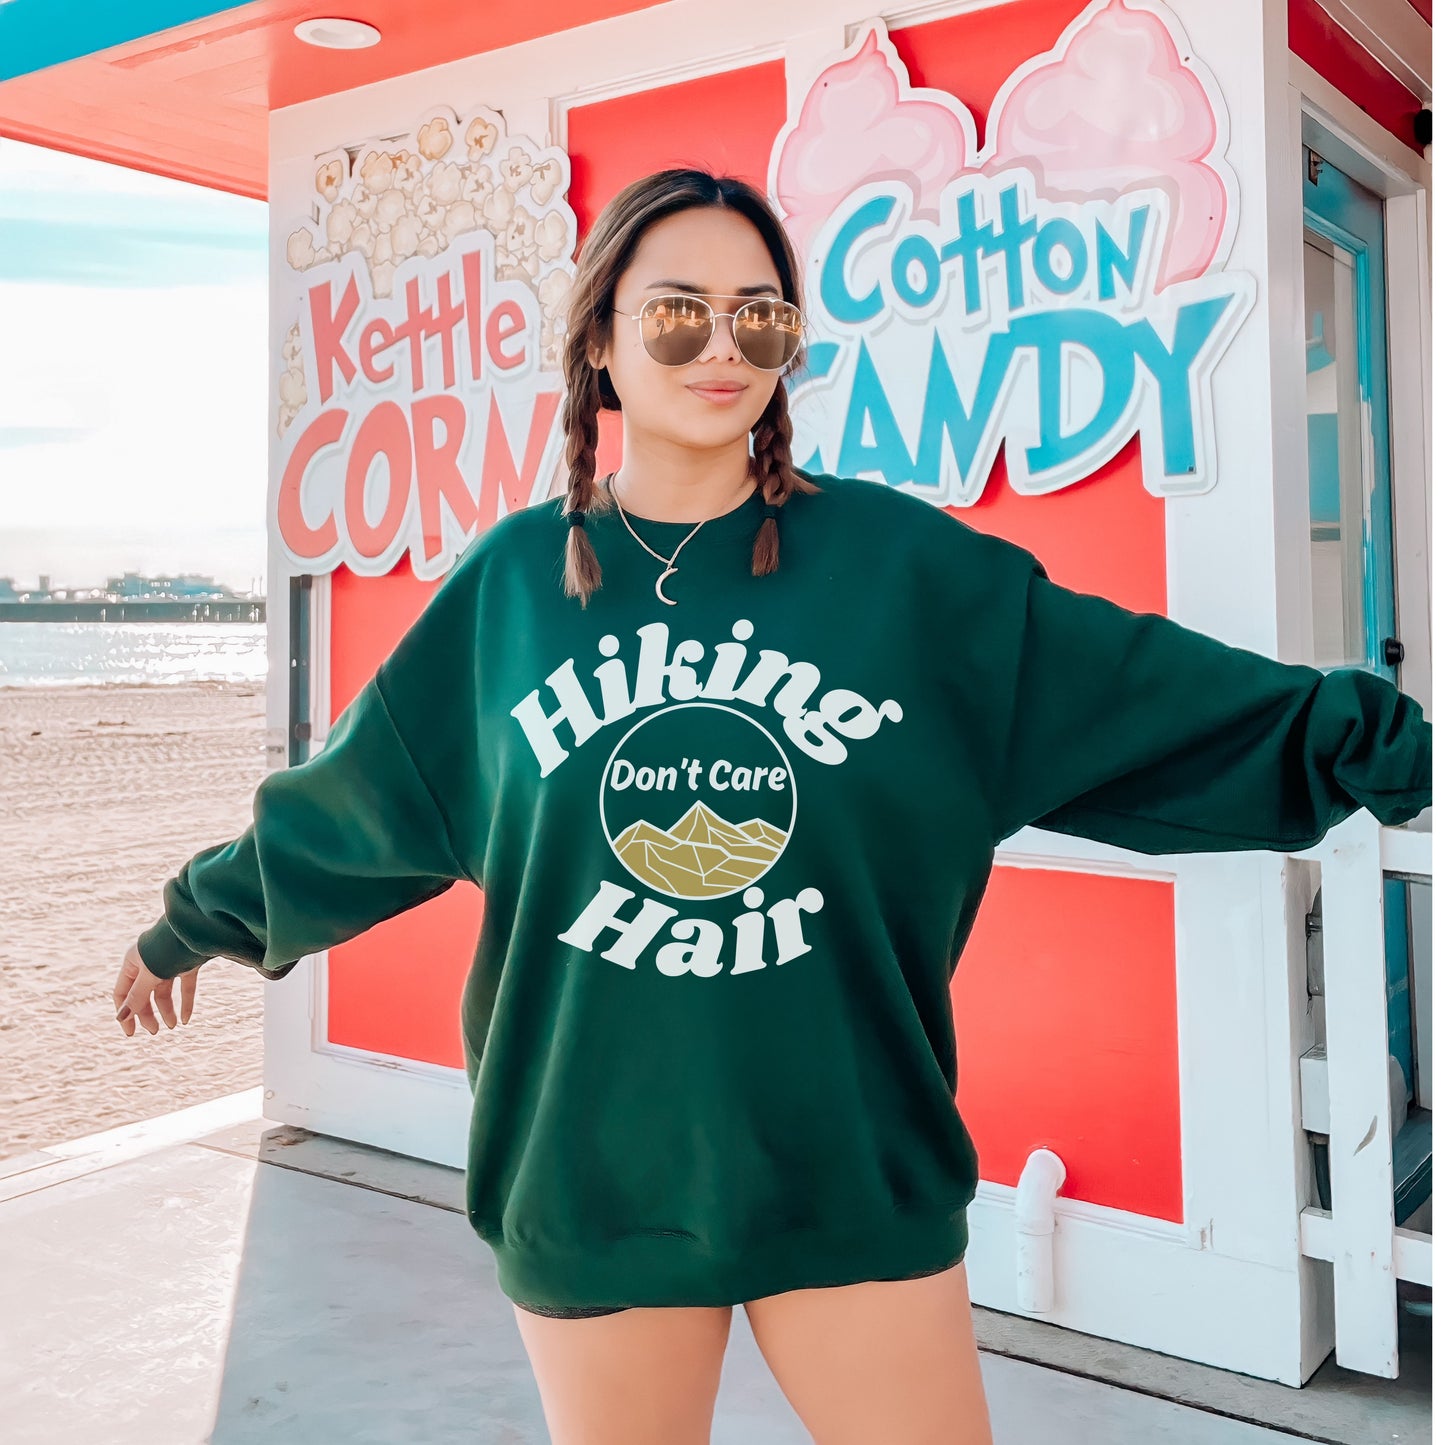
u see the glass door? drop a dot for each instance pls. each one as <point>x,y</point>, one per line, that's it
<point>1351,532</point>
<point>1352,545</point>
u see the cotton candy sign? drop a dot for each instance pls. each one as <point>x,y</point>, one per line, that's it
<point>1056,289</point>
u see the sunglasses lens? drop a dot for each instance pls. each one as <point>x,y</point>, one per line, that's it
<point>769,333</point>
<point>675,329</point>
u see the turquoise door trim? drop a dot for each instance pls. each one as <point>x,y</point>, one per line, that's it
<point>1339,210</point>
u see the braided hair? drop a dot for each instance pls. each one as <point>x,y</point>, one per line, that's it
<point>604,256</point>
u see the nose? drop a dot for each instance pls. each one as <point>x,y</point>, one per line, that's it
<point>722,346</point>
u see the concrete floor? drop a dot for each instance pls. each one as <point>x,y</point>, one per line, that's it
<point>210,1277</point>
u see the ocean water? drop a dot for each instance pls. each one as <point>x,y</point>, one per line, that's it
<point>70,654</point>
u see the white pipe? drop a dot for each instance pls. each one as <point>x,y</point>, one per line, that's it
<point>1038,1188</point>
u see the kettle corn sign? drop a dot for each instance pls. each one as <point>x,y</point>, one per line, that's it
<point>420,389</point>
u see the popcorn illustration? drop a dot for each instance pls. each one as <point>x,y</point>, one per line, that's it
<point>459,217</point>
<point>553,292</point>
<point>478,183</point>
<point>444,184</point>
<point>550,232</point>
<point>392,206</point>
<point>340,223</point>
<point>520,237</point>
<point>434,139</point>
<point>1120,111</point>
<point>378,171</point>
<point>498,209</point>
<point>481,136</point>
<point>388,208</point>
<point>363,240</point>
<point>405,237</point>
<point>545,180</point>
<point>329,178</point>
<point>293,387</point>
<point>300,250</point>
<point>517,169</point>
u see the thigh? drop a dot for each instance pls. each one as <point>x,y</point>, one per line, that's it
<point>640,1377</point>
<point>891,1360</point>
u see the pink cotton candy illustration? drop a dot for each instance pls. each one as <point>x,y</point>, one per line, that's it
<point>1117,112</point>
<point>1113,109</point>
<point>854,127</point>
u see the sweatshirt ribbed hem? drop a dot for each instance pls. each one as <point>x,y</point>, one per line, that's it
<point>652,1269</point>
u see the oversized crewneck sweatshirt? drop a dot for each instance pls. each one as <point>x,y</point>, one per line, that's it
<point>731,850</point>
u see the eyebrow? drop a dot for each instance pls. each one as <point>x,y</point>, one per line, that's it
<point>766,289</point>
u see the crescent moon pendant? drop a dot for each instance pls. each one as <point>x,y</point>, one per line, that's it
<point>671,601</point>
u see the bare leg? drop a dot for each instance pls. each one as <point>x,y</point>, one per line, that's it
<point>893,1360</point>
<point>642,1377</point>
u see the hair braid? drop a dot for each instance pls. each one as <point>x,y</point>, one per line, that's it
<point>582,572</point>
<point>777,478</point>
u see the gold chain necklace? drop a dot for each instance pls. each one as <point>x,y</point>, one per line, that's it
<point>668,568</point>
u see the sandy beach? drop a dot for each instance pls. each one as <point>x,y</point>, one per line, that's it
<point>104,792</point>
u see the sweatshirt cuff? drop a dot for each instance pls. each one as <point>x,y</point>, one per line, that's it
<point>163,952</point>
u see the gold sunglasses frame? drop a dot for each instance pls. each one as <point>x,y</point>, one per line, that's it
<point>712,329</point>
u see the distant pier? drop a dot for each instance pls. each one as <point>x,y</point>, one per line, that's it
<point>200,609</point>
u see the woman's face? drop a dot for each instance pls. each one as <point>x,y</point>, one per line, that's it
<point>719,255</point>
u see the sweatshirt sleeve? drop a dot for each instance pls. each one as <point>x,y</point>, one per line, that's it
<point>350,837</point>
<point>1134,730</point>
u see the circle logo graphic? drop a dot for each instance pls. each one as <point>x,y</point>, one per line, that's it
<point>698,801</point>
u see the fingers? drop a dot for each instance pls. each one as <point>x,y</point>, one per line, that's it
<point>165,1006</point>
<point>145,1016</point>
<point>139,997</point>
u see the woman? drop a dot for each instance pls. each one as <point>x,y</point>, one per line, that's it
<point>733,807</point>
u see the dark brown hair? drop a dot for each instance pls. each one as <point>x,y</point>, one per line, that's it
<point>606,253</point>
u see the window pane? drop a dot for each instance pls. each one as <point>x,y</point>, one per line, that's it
<point>1336,428</point>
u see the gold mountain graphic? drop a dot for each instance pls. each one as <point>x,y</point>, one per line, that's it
<point>702,854</point>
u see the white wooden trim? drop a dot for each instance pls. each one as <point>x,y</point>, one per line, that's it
<point>1142,1282</point>
<point>1362,1192</point>
<point>1407,301</point>
<point>1034,847</point>
<point>1394,32</point>
<point>1411,1251</point>
<point>1408,851</point>
<point>420,1110</point>
<point>1398,167</point>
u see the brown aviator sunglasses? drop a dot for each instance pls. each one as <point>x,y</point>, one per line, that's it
<point>677,329</point>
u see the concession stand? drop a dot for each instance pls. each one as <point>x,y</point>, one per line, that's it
<point>1141,286</point>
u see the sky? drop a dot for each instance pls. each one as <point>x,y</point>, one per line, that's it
<point>133,374</point>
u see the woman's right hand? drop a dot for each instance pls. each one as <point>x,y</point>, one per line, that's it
<point>136,987</point>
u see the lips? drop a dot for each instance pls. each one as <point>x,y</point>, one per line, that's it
<point>719,393</point>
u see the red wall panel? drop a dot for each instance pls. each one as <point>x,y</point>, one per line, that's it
<point>1066,1012</point>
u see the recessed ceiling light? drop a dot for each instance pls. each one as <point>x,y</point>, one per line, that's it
<point>331,34</point>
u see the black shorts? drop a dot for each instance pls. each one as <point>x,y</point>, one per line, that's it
<point>571,1312</point>
<point>587,1312</point>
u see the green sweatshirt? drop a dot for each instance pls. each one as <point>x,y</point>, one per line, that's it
<point>731,851</point>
